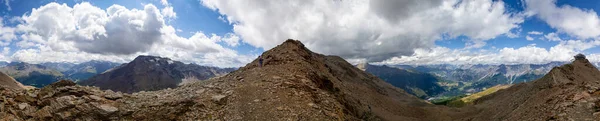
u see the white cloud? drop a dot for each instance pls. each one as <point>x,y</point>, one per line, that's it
<point>552,37</point>
<point>529,38</point>
<point>164,2</point>
<point>167,11</point>
<point>564,51</point>
<point>535,33</point>
<point>7,3</point>
<point>574,21</point>
<point>7,34</point>
<point>115,31</point>
<point>231,40</point>
<point>375,30</point>
<point>222,19</point>
<point>59,33</point>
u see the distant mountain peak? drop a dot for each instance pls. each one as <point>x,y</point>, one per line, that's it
<point>148,73</point>
<point>150,58</point>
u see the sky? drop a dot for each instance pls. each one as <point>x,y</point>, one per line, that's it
<point>231,33</point>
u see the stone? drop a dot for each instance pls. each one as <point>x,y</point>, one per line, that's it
<point>23,105</point>
<point>256,100</point>
<point>112,95</point>
<point>63,102</point>
<point>97,98</point>
<point>62,83</point>
<point>200,91</point>
<point>313,105</point>
<point>219,99</point>
<point>44,112</point>
<point>24,98</point>
<point>64,114</point>
<point>107,109</point>
<point>597,114</point>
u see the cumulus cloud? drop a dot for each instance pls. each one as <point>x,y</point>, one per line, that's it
<point>530,54</point>
<point>59,33</point>
<point>552,37</point>
<point>115,31</point>
<point>529,38</point>
<point>574,21</point>
<point>7,34</point>
<point>232,40</point>
<point>374,30</point>
<point>167,11</point>
<point>535,33</point>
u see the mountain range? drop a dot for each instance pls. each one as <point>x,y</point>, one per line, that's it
<point>149,73</point>
<point>294,83</point>
<point>32,74</point>
<point>468,79</point>
<point>422,85</point>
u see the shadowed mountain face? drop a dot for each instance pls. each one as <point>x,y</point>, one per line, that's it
<point>148,73</point>
<point>31,74</point>
<point>422,85</point>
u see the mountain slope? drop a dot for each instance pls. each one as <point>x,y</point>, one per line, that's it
<point>59,66</point>
<point>31,74</point>
<point>422,85</point>
<point>568,92</point>
<point>148,73</point>
<point>88,69</point>
<point>8,82</point>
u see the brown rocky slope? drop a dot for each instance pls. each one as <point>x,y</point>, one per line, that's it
<point>9,82</point>
<point>568,92</point>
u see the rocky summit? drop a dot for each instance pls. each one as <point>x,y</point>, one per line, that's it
<point>294,83</point>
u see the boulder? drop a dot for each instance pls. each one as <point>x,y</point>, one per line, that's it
<point>220,99</point>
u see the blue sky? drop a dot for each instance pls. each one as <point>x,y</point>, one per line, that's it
<point>231,33</point>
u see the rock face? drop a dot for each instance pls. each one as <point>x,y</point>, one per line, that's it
<point>149,73</point>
